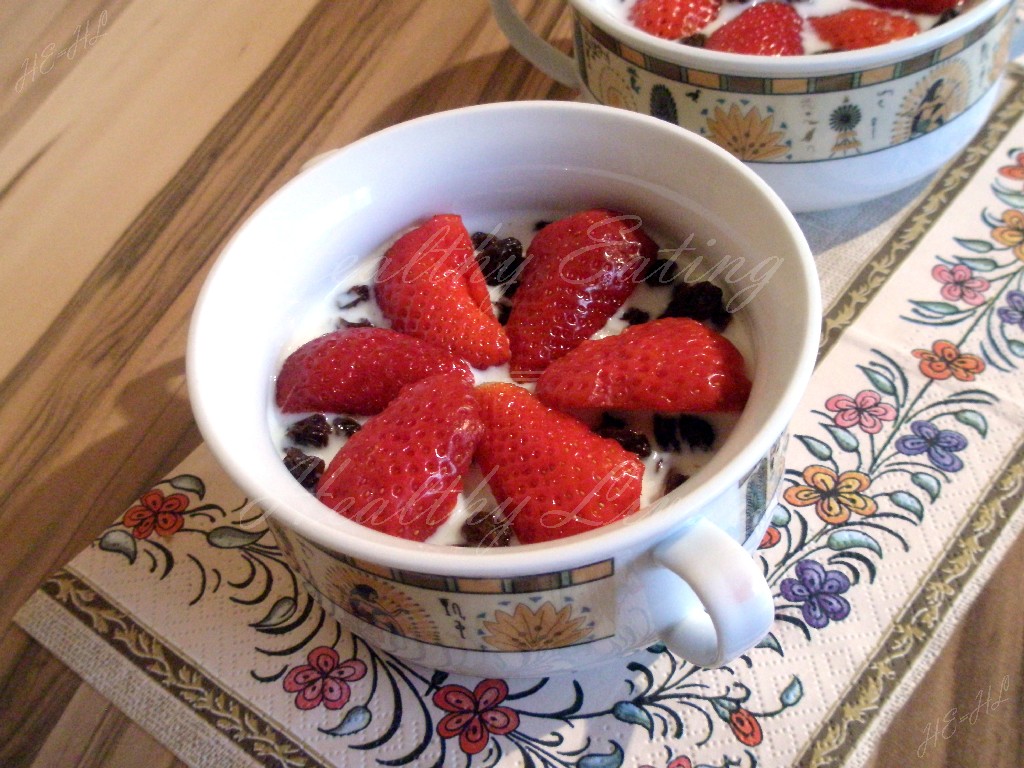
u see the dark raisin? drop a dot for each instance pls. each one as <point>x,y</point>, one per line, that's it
<point>539,225</point>
<point>701,301</point>
<point>504,312</point>
<point>611,422</point>
<point>632,441</point>
<point>635,316</point>
<point>666,433</point>
<point>670,432</point>
<point>360,293</point>
<point>499,260</point>
<point>947,15</point>
<point>674,480</point>
<point>487,528</point>
<point>303,467</point>
<point>360,323</point>
<point>697,433</point>
<point>662,273</point>
<point>345,426</point>
<point>698,39</point>
<point>312,430</point>
<point>510,289</point>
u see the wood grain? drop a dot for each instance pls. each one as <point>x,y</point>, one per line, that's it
<point>980,676</point>
<point>91,732</point>
<point>123,171</point>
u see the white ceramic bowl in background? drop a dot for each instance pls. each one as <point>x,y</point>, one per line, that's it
<point>594,596</point>
<point>823,130</point>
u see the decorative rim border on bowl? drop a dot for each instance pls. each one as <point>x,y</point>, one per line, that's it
<point>790,66</point>
<point>782,84</point>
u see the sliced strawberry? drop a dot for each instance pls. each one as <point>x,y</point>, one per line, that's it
<point>670,365</point>
<point>429,285</point>
<point>673,19</point>
<point>551,475</point>
<point>767,29</point>
<point>401,473</point>
<point>579,271</point>
<point>931,7</point>
<point>857,28</point>
<point>358,370</point>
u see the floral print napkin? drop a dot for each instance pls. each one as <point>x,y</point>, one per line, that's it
<point>902,482</point>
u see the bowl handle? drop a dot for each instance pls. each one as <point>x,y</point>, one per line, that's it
<point>737,602</point>
<point>548,59</point>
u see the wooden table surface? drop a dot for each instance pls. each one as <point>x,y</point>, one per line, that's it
<point>135,136</point>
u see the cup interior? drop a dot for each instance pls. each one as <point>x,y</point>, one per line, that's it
<point>484,163</point>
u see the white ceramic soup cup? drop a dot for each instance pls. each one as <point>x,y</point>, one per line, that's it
<point>823,130</point>
<point>676,572</point>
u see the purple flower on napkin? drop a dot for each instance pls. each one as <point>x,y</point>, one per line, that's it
<point>939,444</point>
<point>819,593</point>
<point>960,284</point>
<point>1013,312</point>
<point>324,680</point>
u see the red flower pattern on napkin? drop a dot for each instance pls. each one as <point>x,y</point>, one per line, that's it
<point>324,680</point>
<point>157,512</point>
<point>475,715</point>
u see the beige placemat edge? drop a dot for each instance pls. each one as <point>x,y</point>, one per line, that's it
<point>159,712</point>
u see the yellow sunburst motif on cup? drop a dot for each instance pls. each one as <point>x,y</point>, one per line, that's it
<point>746,135</point>
<point>526,629</point>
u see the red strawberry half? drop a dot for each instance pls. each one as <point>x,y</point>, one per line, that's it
<point>551,475</point>
<point>579,271</point>
<point>429,285</point>
<point>358,370</point>
<point>857,28</point>
<point>669,365</point>
<point>401,473</point>
<point>768,29</point>
<point>673,19</point>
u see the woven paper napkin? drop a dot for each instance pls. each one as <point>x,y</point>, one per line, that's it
<point>903,475</point>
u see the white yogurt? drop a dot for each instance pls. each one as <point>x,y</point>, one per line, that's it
<point>619,9</point>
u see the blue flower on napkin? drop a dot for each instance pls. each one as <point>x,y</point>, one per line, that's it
<point>1013,312</point>
<point>939,444</point>
<point>819,592</point>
